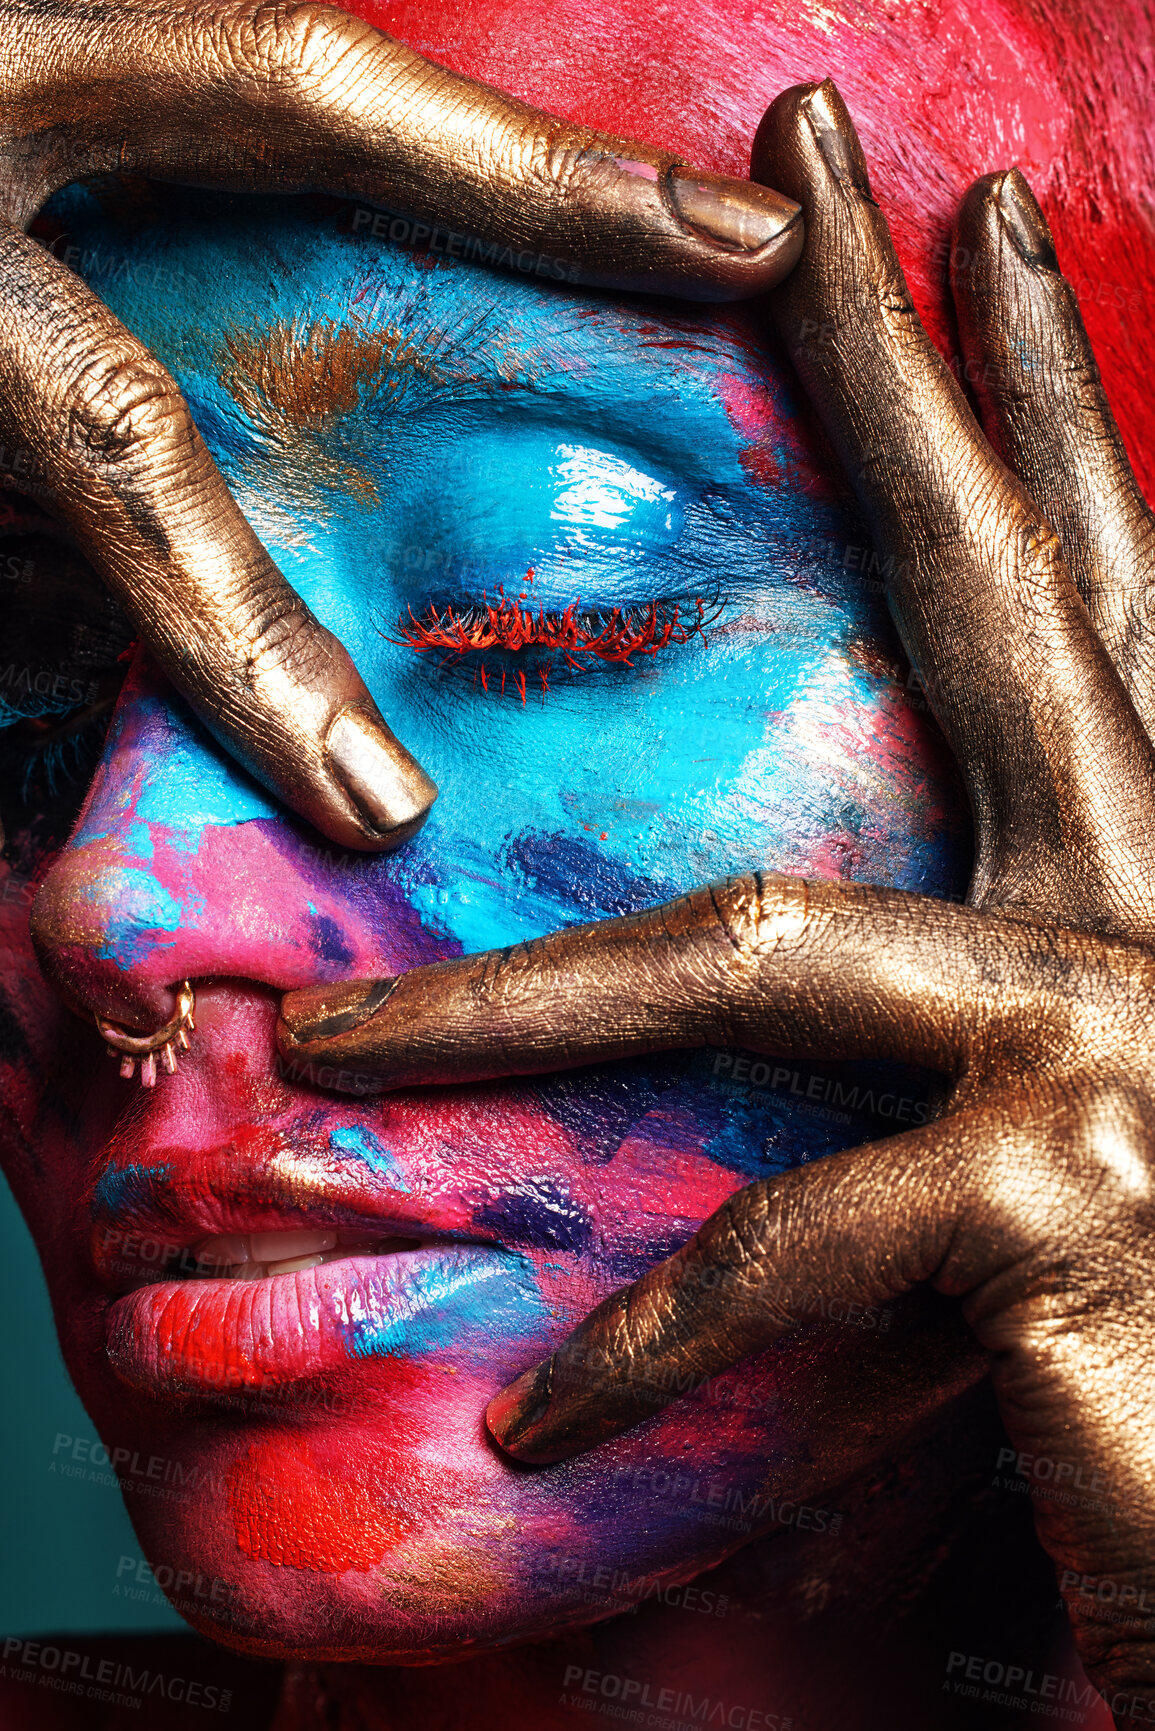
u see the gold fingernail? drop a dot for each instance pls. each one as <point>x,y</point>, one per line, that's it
<point>836,138</point>
<point>512,1414</point>
<point>736,213</point>
<point>325,1012</point>
<point>390,789</point>
<point>1025,223</point>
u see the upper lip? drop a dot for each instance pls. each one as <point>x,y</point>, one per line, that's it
<point>294,1186</point>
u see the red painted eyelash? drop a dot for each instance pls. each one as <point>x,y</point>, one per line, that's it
<point>576,639</point>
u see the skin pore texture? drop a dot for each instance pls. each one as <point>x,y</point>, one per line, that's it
<point>408,433</point>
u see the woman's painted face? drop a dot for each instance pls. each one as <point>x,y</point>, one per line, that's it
<point>587,561</point>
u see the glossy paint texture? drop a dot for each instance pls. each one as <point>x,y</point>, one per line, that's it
<point>406,432</point>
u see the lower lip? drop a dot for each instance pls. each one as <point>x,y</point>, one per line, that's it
<point>190,1337</point>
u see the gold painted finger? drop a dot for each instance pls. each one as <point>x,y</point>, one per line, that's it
<point>126,469</point>
<point>1059,770</point>
<point>761,962</point>
<point>1030,361</point>
<point>306,98</point>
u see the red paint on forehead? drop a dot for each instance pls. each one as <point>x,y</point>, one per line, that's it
<point>942,91</point>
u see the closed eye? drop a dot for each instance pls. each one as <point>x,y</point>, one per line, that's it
<point>571,640</point>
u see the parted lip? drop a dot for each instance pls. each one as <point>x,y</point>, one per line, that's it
<point>178,1329</point>
<point>140,1227</point>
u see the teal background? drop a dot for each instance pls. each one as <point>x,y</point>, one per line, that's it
<point>61,1538</point>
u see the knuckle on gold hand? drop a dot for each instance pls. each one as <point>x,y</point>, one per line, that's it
<point>122,406</point>
<point>295,43</point>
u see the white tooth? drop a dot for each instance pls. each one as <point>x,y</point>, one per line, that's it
<point>293,1264</point>
<point>364,1248</point>
<point>223,1251</point>
<point>372,1247</point>
<point>287,1246</point>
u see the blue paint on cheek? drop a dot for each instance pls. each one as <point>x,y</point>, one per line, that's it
<point>539,1214</point>
<point>359,1141</point>
<point>121,1189</point>
<point>456,1308</point>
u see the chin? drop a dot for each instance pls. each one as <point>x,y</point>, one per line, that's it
<point>372,1520</point>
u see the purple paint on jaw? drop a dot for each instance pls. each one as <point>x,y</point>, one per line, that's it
<point>600,1105</point>
<point>540,1214</point>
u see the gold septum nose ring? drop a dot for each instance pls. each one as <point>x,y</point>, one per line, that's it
<point>167,1040</point>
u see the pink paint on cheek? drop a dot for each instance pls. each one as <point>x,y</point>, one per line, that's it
<point>650,1189</point>
<point>298,1502</point>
